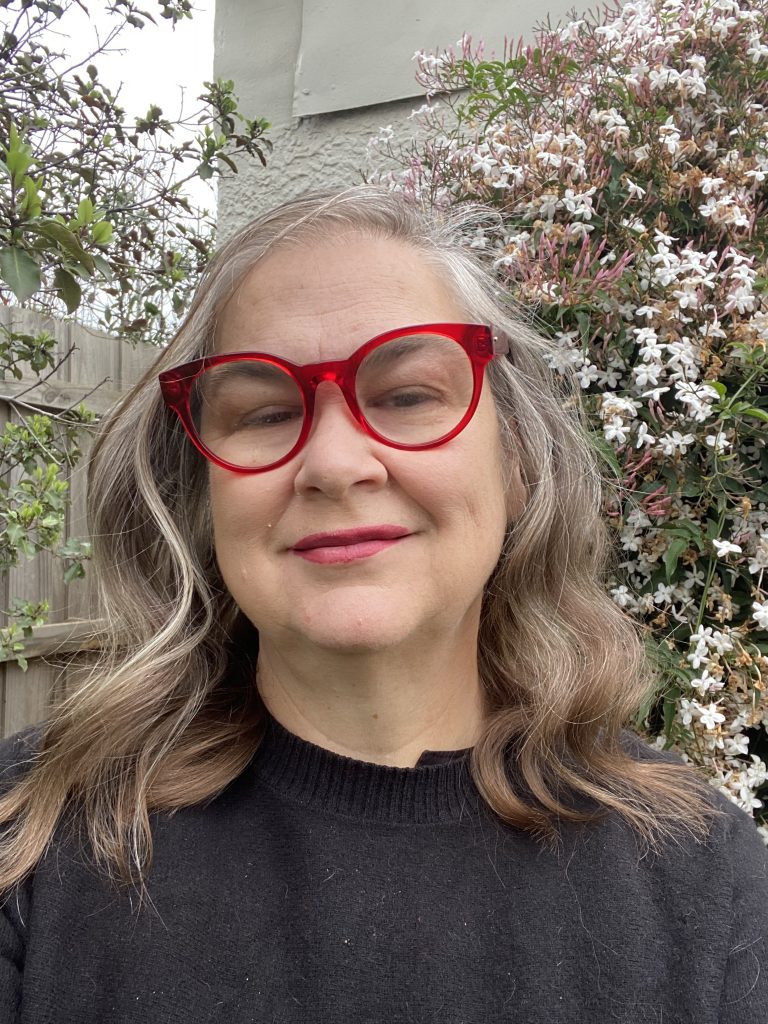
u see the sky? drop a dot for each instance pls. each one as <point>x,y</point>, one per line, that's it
<point>160,63</point>
<point>157,64</point>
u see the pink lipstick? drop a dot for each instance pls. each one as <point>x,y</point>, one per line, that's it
<point>349,545</point>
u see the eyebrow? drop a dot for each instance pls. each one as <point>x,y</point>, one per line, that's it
<point>392,350</point>
<point>243,369</point>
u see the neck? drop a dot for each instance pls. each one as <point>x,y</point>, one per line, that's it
<point>384,707</point>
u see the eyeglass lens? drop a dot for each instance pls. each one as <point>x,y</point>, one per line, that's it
<point>412,390</point>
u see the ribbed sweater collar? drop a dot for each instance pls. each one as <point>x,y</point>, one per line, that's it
<point>438,789</point>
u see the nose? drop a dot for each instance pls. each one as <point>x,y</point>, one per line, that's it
<point>338,454</point>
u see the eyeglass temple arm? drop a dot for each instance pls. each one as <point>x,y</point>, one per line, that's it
<point>500,342</point>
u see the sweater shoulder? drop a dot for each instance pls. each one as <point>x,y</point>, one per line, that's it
<point>735,828</point>
<point>17,753</point>
<point>641,750</point>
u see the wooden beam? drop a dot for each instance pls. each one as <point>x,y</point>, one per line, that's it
<point>57,395</point>
<point>60,638</point>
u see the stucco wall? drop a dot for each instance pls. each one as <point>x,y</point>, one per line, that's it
<point>288,57</point>
<point>312,152</point>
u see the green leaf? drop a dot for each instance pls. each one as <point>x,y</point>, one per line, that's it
<point>672,554</point>
<point>18,156</point>
<point>102,266</point>
<point>74,572</point>
<point>61,236</point>
<point>68,289</point>
<point>31,204</point>
<point>713,529</point>
<point>85,211</point>
<point>670,708</point>
<point>228,161</point>
<point>758,414</point>
<point>20,272</point>
<point>733,486</point>
<point>102,232</point>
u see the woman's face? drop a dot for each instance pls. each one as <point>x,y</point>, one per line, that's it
<point>321,301</point>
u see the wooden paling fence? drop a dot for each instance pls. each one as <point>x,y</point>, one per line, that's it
<point>98,370</point>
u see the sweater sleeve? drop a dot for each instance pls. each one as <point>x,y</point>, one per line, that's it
<point>744,997</point>
<point>11,958</point>
<point>14,904</point>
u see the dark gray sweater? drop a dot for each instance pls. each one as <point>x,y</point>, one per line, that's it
<point>317,888</point>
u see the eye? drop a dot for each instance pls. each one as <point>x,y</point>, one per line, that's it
<point>269,417</point>
<point>404,398</point>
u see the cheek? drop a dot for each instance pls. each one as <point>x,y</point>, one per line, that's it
<point>466,493</point>
<point>244,512</point>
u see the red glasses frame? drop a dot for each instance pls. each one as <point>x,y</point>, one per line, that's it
<point>478,341</point>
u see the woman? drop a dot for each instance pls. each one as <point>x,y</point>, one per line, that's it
<point>356,743</point>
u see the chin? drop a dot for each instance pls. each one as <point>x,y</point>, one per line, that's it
<point>349,623</point>
<point>354,636</point>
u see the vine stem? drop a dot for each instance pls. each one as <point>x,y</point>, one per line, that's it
<point>710,574</point>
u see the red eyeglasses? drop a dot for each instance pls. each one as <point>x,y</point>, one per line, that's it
<point>412,388</point>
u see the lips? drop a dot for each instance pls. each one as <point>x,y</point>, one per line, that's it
<point>340,547</point>
<point>345,538</point>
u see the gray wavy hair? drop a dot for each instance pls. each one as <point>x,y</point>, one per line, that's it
<point>170,713</point>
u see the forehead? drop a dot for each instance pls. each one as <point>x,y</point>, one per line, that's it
<point>318,300</point>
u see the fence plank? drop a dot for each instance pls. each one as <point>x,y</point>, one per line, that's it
<point>60,648</point>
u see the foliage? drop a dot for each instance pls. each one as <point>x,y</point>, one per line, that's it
<point>627,154</point>
<point>93,209</point>
<point>95,221</point>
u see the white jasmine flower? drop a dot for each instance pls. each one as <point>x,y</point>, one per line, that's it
<point>687,710</point>
<point>737,746</point>
<point>710,185</point>
<point>686,299</point>
<point>718,442</point>
<point>635,191</point>
<point>697,397</point>
<point>757,51</point>
<point>712,330</point>
<point>616,430</point>
<point>645,374</point>
<point>623,597</point>
<point>663,77</point>
<point>579,230</point>
<point>710,717</point>
<point>669,133</point>
<point>587,374</point>
<point>741,299</point>
<point>721,641</point>
<point>647,311</point>
<point>705,682</point>
<point>660,237</point>
<point>643,436</point>
<point>760,613</point>
<point>648,343</point>
<point>617,405</point>
<point>725,548</point>
<point>484,163</point>
<point>702,635</point>
<point>676,442</point>
<point>757,773</point>
<point>700,656</point>
<point>693,578</point>
<point>635,225</point>
<point>655,393</point>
